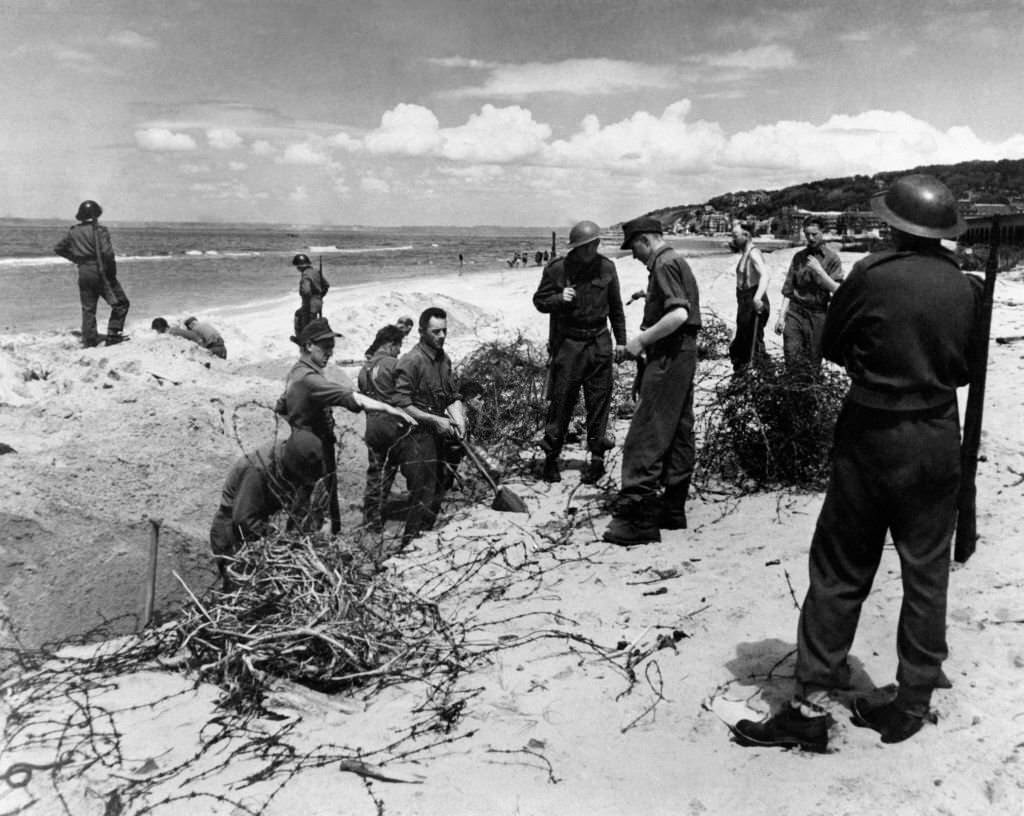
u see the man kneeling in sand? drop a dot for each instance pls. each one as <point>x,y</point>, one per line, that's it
<point>202,334</point>
<point>262,482</point>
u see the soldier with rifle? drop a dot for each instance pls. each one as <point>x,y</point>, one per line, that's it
<point>309,397</point>
<point>312,288</point>
<point>905,325</point>
<point>87,244</point>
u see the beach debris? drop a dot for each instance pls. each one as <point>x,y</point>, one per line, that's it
<point>714,336</point>
<point>5,448</point>
<point>770,427</point>
<point>154,546</point>
<point>161,379</point>
<point>370,772</point>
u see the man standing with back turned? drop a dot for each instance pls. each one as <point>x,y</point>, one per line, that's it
<point>904,325</point>
<point>659,449</point>
<point>581,294</point>
<point>312,288</point>
<point>87,244</point>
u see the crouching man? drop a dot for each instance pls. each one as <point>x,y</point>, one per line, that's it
<point>260,483</point>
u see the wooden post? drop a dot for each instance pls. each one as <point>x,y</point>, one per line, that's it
<point>154,546</point>
<point>966,505</point>
<point>554,251</point>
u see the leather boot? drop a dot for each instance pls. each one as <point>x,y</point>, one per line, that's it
<point>593,471</point>
<point>551,472</point>
<point>632,531</point>
<point>672,515</point>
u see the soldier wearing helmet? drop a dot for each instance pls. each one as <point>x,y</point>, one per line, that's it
<point>904,325</point>
<point>312,288</point>
<point>581,294</point>
<point>87,245</point>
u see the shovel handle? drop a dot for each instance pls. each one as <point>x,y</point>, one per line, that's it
<point>154,546</point>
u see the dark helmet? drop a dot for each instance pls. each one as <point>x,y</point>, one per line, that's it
<point>583,233</point>
<point>920,205</point>
<point>88,210</point>
<point>302,457</point>
<point>301,260</point>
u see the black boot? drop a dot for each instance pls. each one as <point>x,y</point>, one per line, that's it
<point>114,337</point>
<point>672,515</point>
<point>551,472</point>
<point>593,471</point>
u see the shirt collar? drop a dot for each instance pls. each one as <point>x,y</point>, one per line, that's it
<point>432,354</point>
<point>654,258</point>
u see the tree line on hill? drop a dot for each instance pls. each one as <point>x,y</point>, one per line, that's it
<point>984,182</point>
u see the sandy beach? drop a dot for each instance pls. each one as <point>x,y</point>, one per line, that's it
<point>107,439</point>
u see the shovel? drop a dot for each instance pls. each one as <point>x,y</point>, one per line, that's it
<point>504,499</point>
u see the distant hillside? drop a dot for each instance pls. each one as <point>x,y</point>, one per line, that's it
<point>984,182</point>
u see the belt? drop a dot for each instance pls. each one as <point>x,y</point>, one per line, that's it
<point>584,334</point>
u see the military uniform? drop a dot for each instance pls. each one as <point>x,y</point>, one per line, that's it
<point>579,345</point>
<point>209,338</point>
<point>312,288</point>
<point>659,448</point>
<point>808,302</point>
<point>749,340</point>
<point>377,380</point>
<point>88,246</point>
<point>902,324</point>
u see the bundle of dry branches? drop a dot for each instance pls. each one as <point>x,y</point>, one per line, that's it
<point>321,616</point>
<point>714,337</point>
<point>771,427</point>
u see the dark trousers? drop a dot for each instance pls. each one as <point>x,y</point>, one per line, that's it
<point>93,285</point>
<point>310,309</point>
<point>801,338</point>
<point>381,471</point>
<point>749,325</point>
<point>428,464</point>
<point>576,364</point>
<point>895,471</point>
<point>659,447</point>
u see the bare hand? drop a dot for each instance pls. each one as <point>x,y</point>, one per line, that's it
<point>634,347</point>
<point>637,295</point>
<point>568,294</point>
<point>778,327</point>
<point>620,354</point>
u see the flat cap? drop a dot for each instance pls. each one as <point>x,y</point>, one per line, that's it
<point>638,226</point>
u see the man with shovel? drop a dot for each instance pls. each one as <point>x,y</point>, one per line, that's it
<point>426,387</point>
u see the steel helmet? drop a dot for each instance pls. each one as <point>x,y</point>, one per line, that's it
<point>583,233</point>
<point>301,260</point>
<point>88,210</point>
<point>920,205</point>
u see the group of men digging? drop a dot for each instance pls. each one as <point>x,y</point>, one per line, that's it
<point>904,326</point>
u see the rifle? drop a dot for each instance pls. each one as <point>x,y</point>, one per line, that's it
<point>966,504</point>
<point>331,467</point>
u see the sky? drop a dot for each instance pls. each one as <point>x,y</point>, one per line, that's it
<point>469,112</point>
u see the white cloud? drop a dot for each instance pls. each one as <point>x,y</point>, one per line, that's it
<point>411,130</point>
<point>299,194</point>
<point>663,143</point>
<point>133,41</point>
<point>223,138</point>
<point>373,184</point>
<point>261,147</point>
<point>344,141</point>
<point>867,142</point>
<point>303,153</point>
<point>237,165</point>
<point>579,77</point>
<point>492,135</point>
<point>162,139</point>
<point>760,58</point>
<point>495,135</point>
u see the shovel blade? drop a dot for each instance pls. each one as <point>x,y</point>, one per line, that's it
<point>508,502</point>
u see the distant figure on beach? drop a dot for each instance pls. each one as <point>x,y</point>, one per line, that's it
<point>426,387</point>
<point>405,323</point>
<point>904,324</point>
<point>460,262</point>
<point>202,334</point>
<point>377,380</point>
<point>752,307</point>
<point>312,288</point>
<point>514,260</point>
<point>309,397</point>
<point>581,295</point>
<point>538,258</point>
<point>260,483</point>
<point>814,275</point>
<point>658,454</point>
<point>87,244</point>
<point>209,337</point>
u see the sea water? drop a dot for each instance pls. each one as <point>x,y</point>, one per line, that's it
<point>173,270</point>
